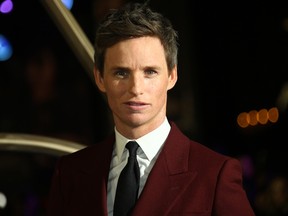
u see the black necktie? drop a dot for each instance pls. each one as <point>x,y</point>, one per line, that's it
<point>128,183</point>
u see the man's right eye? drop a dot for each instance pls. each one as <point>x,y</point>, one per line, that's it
<point>121,74</point>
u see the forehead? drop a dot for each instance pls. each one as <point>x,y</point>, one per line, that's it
<point>136,51</point>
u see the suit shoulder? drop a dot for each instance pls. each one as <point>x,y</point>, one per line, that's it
<point>90,152</point>
<point>197,150</point>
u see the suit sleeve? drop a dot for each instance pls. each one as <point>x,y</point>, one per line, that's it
<point>230,196</point>
<point>55,199</point>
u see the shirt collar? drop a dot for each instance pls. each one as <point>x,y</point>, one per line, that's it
<point>149,143</point>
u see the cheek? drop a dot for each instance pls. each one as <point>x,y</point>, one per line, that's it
<point>158,88</point>
<point>114,90</point>
<point>158,95</point>
<point>111,93</point>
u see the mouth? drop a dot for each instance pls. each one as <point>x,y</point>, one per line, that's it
<point>136,105</point>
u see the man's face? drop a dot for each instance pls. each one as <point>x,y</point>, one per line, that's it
<point>136,81</point>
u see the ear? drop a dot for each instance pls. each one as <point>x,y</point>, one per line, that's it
<point>99,80</point>
<point>173,76</point>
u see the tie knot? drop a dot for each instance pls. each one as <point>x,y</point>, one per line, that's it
<point>132,146</point>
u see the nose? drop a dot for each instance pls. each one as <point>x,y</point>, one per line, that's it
<point>136,84</point>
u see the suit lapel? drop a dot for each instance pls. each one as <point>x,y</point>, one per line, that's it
<point>168,178</point>
<point>96,166</point>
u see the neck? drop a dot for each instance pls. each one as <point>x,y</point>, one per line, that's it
<point>136,131</point>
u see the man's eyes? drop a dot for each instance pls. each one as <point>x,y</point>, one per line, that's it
<point>125,74</point>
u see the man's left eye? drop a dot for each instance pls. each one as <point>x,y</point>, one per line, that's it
<point>150,72</point>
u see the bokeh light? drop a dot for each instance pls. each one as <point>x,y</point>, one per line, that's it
<point>6,6</point>
<point>3,200</point>
<point>254,117</point>
<point>5,49</point>
<point>68,3</point>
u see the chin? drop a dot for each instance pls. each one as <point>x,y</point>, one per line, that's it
<point>136,122</point>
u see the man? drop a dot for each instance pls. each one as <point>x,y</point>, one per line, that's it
<point>135,66</point>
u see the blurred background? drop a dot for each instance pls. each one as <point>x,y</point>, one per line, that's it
<point>232,92</point>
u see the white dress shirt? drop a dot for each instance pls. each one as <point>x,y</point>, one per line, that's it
<point>147,153</point>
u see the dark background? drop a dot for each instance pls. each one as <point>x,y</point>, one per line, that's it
<point>232,59</point>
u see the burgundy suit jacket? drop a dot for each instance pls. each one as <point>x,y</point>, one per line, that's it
<point>187,179</point>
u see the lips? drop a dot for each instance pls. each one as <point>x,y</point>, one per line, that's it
<point>133,103</point>
<point>136,105</point>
